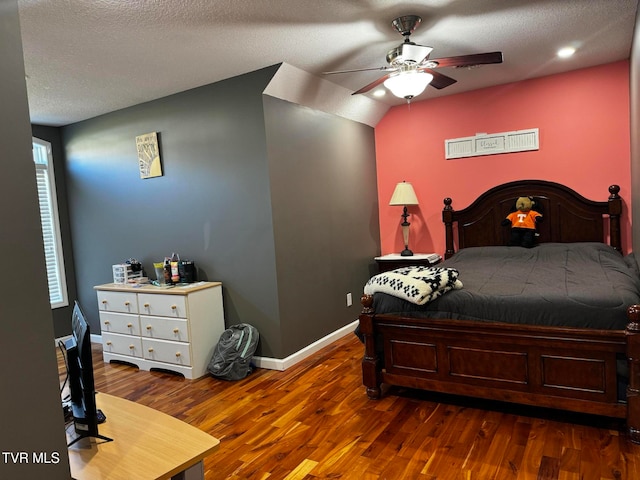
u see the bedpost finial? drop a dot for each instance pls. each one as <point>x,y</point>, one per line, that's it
<point>447,203</point>
<point>614,190</point>
<point>633,315</point>
<point>367,302</point>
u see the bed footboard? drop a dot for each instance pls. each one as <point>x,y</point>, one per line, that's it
<point>562,368</point>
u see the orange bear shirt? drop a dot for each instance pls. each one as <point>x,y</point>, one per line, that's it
<point>522,219</point>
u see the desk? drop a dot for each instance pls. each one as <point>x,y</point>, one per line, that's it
<point>147,444</point>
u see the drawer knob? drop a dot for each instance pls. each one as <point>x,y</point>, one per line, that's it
<point>146,305</point>
<point>176,330</point>
<point>104,302</point>
<point>129,325</point>
<point>106,322</point>
<point>150,349</point>
<point>178,354</point>
<point>131,347</point>
<point>127,303</point>
<point>148,327</point>
<point>109,342</point>
<point>173,307</point>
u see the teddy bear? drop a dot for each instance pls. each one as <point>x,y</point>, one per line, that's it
<point>523,222</point>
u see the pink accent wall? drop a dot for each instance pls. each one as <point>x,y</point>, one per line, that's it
<point>584,136</point>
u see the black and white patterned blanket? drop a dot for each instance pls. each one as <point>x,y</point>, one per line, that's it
<point>417,285</point>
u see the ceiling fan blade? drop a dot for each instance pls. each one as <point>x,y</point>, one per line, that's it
<point>468,60</point>
<point>372,85</point>
<point>439,81</point>
<point>393,69</point>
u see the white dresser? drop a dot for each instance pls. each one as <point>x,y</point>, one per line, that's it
<point>166,328</point>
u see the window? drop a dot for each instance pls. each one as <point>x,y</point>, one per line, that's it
<point>50,223</point>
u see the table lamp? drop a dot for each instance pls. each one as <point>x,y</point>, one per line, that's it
<point>404,195</point>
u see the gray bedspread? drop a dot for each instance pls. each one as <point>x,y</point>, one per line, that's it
<point>587,285</point>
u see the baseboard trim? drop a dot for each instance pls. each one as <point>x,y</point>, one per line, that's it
<point>270,363</point>
<point>94,339</point>
<point>284,363</point>
<point>62,340</point>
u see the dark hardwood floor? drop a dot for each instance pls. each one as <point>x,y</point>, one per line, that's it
<point>314,421</point>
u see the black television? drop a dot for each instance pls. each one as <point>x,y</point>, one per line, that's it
<point>80,377</point>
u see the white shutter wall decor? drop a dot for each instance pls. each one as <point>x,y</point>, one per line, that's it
<point>491,144</point>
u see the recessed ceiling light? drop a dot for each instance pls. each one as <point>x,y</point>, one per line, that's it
<point>566,52</point>
<point>379,93</point>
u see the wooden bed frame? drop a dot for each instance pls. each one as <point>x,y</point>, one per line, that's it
<point>557,367</point>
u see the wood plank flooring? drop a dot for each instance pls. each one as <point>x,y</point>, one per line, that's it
<point>314,421</point>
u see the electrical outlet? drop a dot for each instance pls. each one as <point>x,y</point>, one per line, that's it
<point>349,299</point>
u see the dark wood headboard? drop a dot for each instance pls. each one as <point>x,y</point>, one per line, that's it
<point>568,216</point>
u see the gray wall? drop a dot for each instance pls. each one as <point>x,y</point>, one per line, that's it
<point>325,217</point>
<point>31,419</point>
<point>218,203</point>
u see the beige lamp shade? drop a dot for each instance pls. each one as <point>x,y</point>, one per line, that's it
<point>404,195</point>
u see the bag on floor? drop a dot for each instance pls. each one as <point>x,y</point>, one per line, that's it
<point>232,355</point>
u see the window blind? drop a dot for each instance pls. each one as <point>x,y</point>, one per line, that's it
<point>54,259</point>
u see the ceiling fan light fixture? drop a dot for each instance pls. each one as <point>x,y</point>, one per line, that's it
<point>408,84</point>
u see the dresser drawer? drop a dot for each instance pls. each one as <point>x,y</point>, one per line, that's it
<point>163,305</point>
<point>166,351</point>
<point>120,323</point>
<point>123,302</point>
<point>176,329</point>
<point>122,344</point>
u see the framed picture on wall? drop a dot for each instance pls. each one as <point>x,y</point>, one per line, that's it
<point>148,155</point>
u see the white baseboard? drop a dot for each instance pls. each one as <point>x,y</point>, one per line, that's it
<point>284,363</point>
<point>94,339</point>
<point>61,339</point>
<point>275,363</point>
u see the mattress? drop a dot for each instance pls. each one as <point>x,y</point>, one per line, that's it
<point>584,285</point>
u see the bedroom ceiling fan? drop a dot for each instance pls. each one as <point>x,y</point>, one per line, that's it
<point>411,70</point>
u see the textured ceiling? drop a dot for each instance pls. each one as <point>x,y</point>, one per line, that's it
<point>85,58</point>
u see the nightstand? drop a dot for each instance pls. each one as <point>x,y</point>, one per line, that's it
<point>395,260</point>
